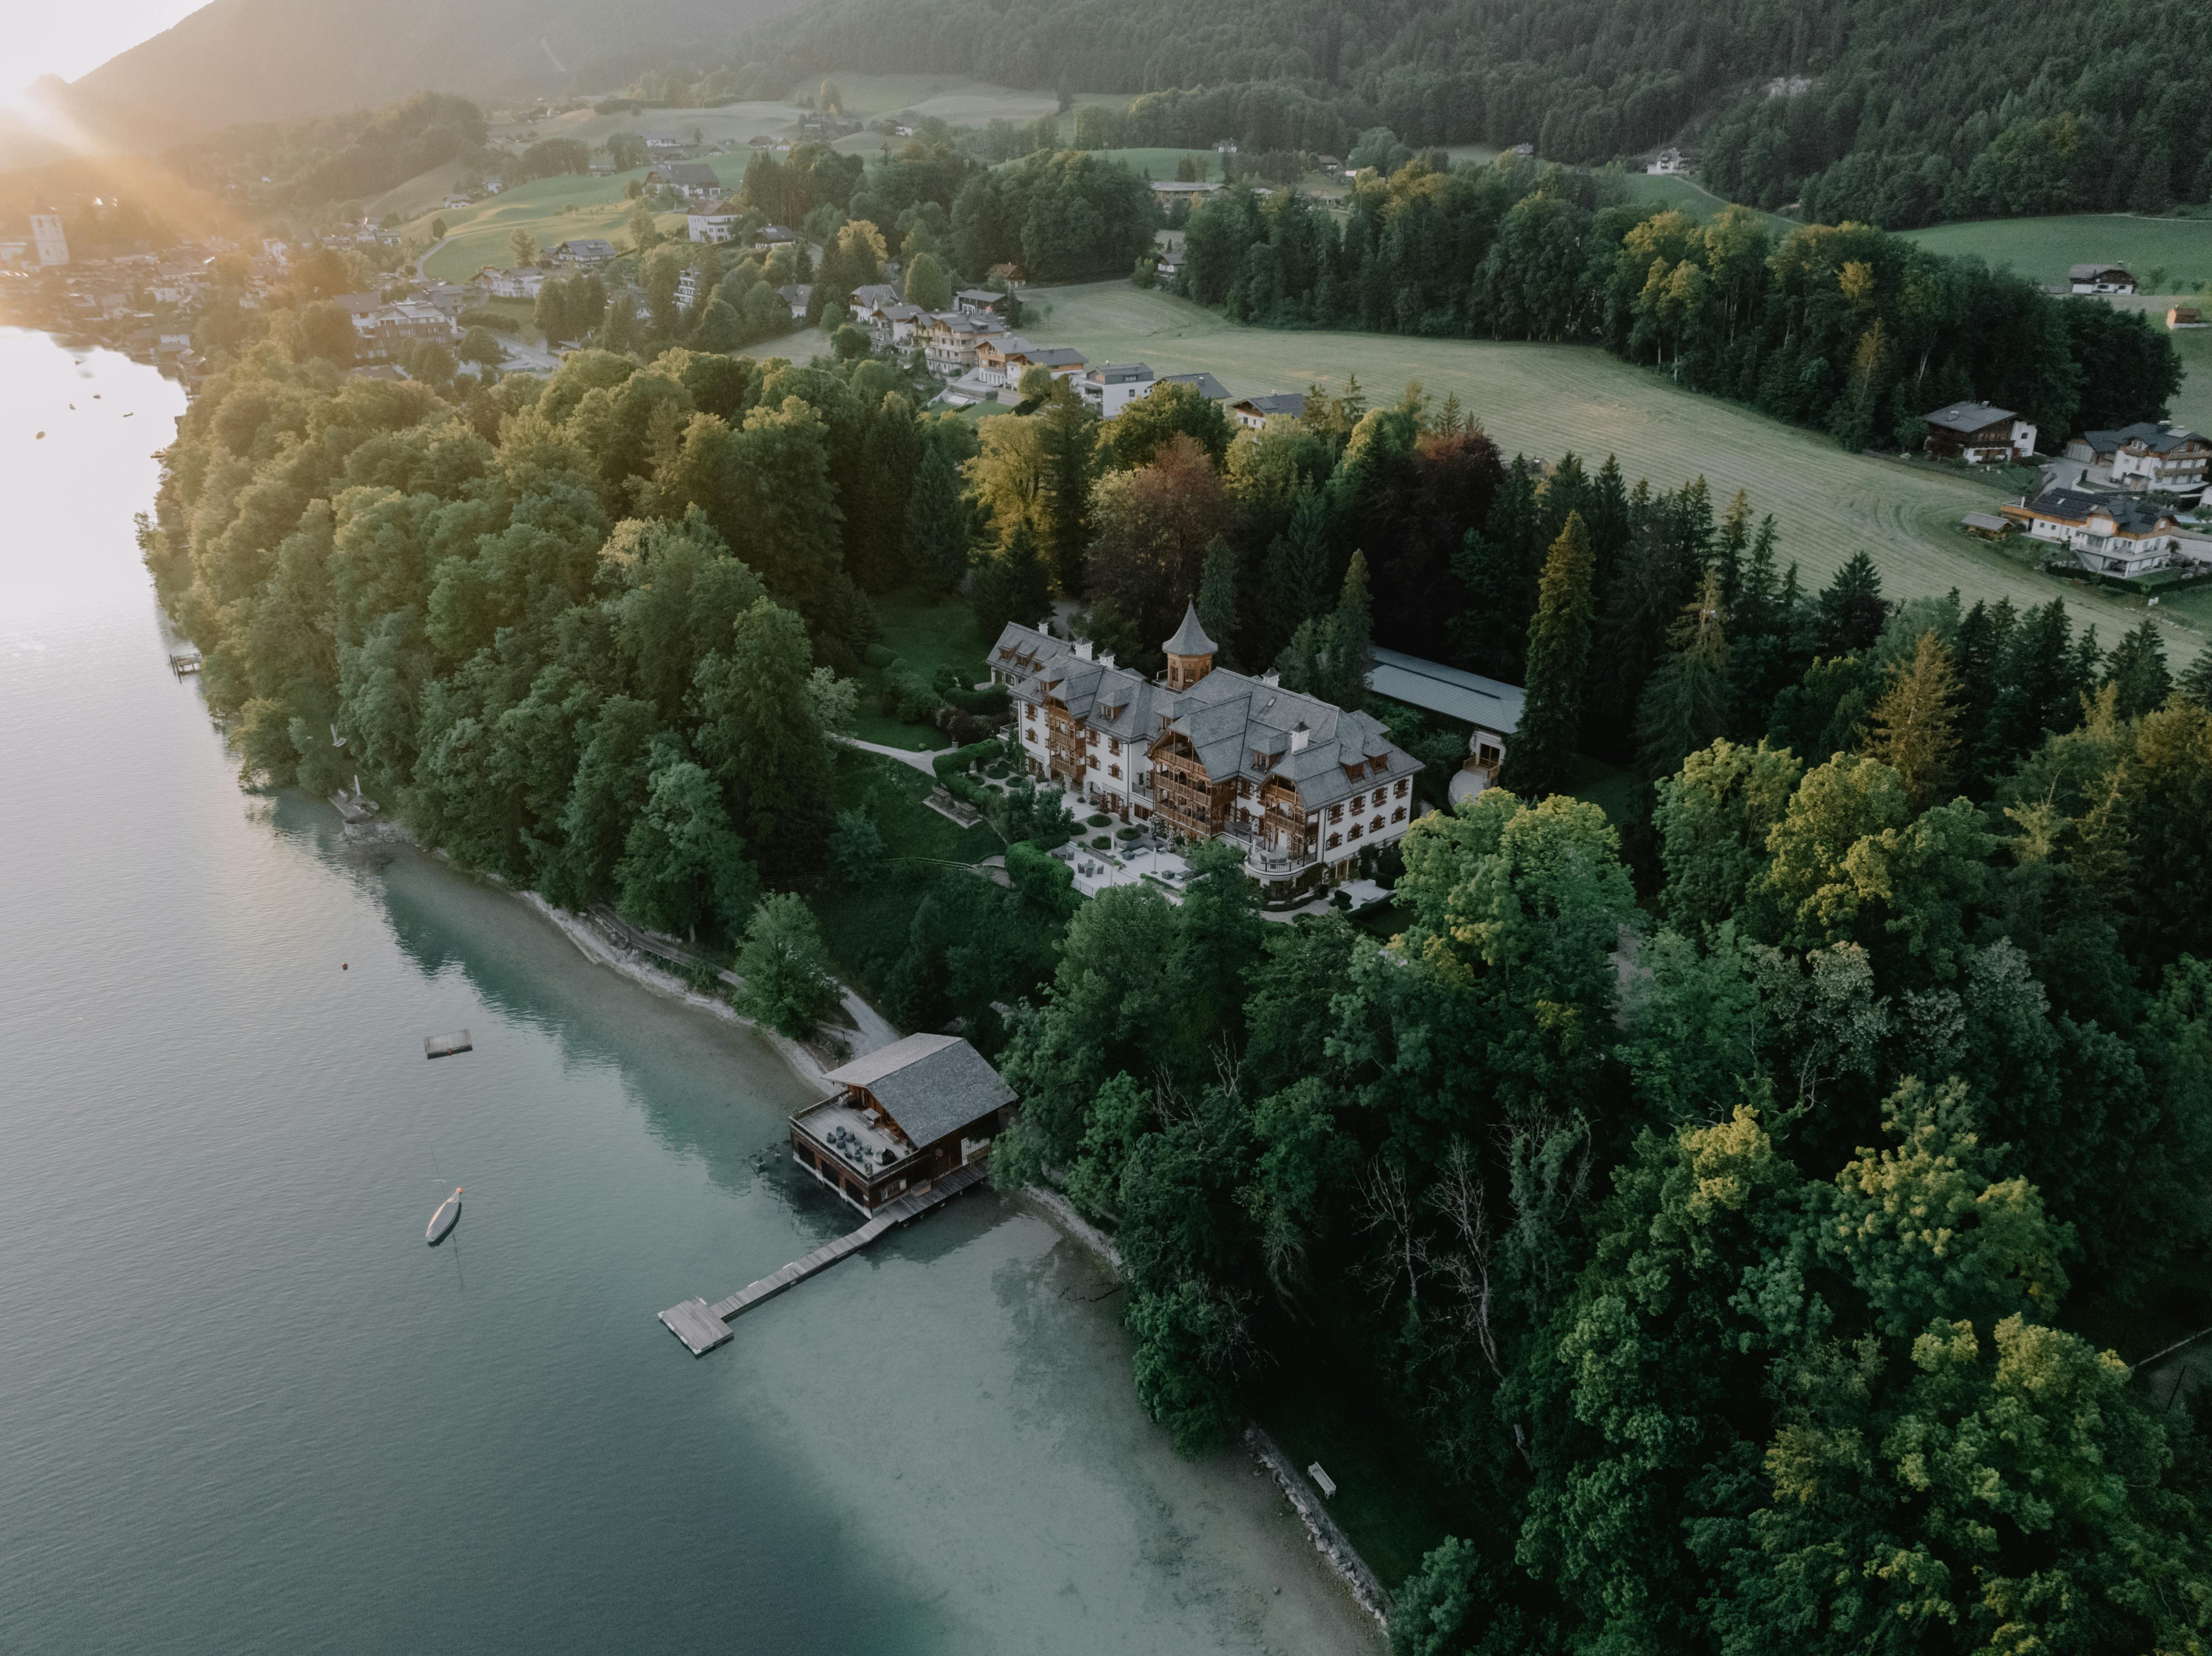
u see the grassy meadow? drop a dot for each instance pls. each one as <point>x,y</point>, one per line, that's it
<point>2041,249</point>
<point>1682,194</point>
<point>1544,400</point>
<point>551,210</point>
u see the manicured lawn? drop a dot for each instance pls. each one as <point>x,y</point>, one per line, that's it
<point>926,635</point>
<point>1544,400</point>
<point>2041,249</point>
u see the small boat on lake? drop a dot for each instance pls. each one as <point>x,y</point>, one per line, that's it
<point>448,1216</point>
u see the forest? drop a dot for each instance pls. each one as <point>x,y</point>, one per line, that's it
<point>1850,329</point>
<point>1734,1201</point>
<point>1868,110</point>
<point>335,157</point>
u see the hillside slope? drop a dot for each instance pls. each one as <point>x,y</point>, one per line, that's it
<point>1896,111</point>
<point>238,61</point>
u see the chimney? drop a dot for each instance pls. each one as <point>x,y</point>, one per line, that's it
<point>1106,658</point>
<point>1083,649</point>
<point>1272,679</point>
<point>1299,737</point>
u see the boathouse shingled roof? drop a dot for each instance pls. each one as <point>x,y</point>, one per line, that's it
<point>931,1085</point>
<point>1190,638</point>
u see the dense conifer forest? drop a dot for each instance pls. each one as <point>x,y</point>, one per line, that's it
<point>1852,330</point>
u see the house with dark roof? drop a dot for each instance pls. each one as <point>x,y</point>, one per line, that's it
<point>2160,455</point>
<point>1255,411</point>
<point>1979,433</point>
<point>902,1118</point>
<point>2099,279</point>
<point>1302,786</point>
<point>713,221</point>
<point>1489,707</point>
<point>1204,384</point>
<point>583,249</point>
<point>696,180</point>
<point>2112,534</point>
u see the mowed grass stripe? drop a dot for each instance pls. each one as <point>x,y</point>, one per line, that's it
<point>1544,400</point>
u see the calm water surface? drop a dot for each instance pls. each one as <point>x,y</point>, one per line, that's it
<point>242,1406</point>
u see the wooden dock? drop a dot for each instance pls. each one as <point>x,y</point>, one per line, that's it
<point>702,1326</point>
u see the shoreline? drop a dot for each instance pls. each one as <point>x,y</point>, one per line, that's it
<point>1350,1571</point>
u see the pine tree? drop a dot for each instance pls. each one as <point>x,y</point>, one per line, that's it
<point>1216,597</point>
<point>1850,607</point>
<point>2032,681</point>
<point>1686,706</point>
<point>939,523</point>
<point>1916,724</point>
<point>1730,548</point>
<point>1607,519</point>
<point>1013,585</point>
<point>2196,683</point>
<point>2138,668</point>
<point>1541,755</point>
<point>1298,563</point>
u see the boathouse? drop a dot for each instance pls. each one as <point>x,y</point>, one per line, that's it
<point>902,1118</point>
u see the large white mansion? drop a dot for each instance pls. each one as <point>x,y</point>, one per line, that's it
<point>1303,786</point>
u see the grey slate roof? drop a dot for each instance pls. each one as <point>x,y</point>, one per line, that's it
<point>1289,403</point>
<point>1232,721</point>
<point>1970,416</point>
<point>931,1085</point>
<point>1485,703</point>
<point>693,174</point>
<point>2158,439</point>
<point>1190,638</point>
<point>875,293</point>
<point>2091,272</point>
<point>1207,385</point>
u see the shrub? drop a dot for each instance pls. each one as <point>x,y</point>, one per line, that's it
<point>879,656</point>
<point>1128,833</point>
<point>959,759</point>
<point>1101,843</point>
<point>1098,819</point>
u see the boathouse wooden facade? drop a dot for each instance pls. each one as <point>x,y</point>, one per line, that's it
<point>902,1118</point>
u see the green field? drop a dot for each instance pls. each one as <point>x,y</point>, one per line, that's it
<point>733,123</point>
<point>2041,249</point>
<point>1546,399</point>
<point>1686,195</point>
<point>551,210</point>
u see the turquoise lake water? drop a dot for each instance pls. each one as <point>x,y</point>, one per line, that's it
<point>243,1407</point>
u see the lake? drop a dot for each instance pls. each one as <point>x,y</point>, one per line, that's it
<point>243,1407</point>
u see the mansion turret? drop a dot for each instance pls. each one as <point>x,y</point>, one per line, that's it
<point>1303,786</point>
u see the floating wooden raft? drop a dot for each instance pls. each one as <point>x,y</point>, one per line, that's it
<point>446,1045</point>
<point>702,1327</point>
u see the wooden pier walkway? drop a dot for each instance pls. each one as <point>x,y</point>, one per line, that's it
<point>702,1326</point>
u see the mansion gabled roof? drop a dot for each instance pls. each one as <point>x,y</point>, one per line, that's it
<point>1970,417</point>
<point>1190,638</point>
<point>1237,725</point>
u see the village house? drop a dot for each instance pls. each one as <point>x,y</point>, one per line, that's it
<point>583,251</point>
<point>2178,317</point>
<point>799,295</point>
<point>2162,457</point>
<point>2112,535</point>
<point>948,340</point>
<point>1979,434</point>
<point>666,145</point>
<point>1000,362</point>
<point>891,326</point>
<point>522,282</point>
<point>1669,161</point>
<point>981,300</point>
<point>2099,279</point>
<point>1204,384</point>
<point>1254,412</point>
<point>47,240</point>
<point>713,223</point>
<point>695,181</point>
<point>773,235</point>
<point>1112,386</point>
<point>902,1118</point>
<point>1302,788</point>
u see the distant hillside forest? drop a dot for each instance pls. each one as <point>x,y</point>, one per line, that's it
<point>331,157</point>
<point>1865,109</point>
